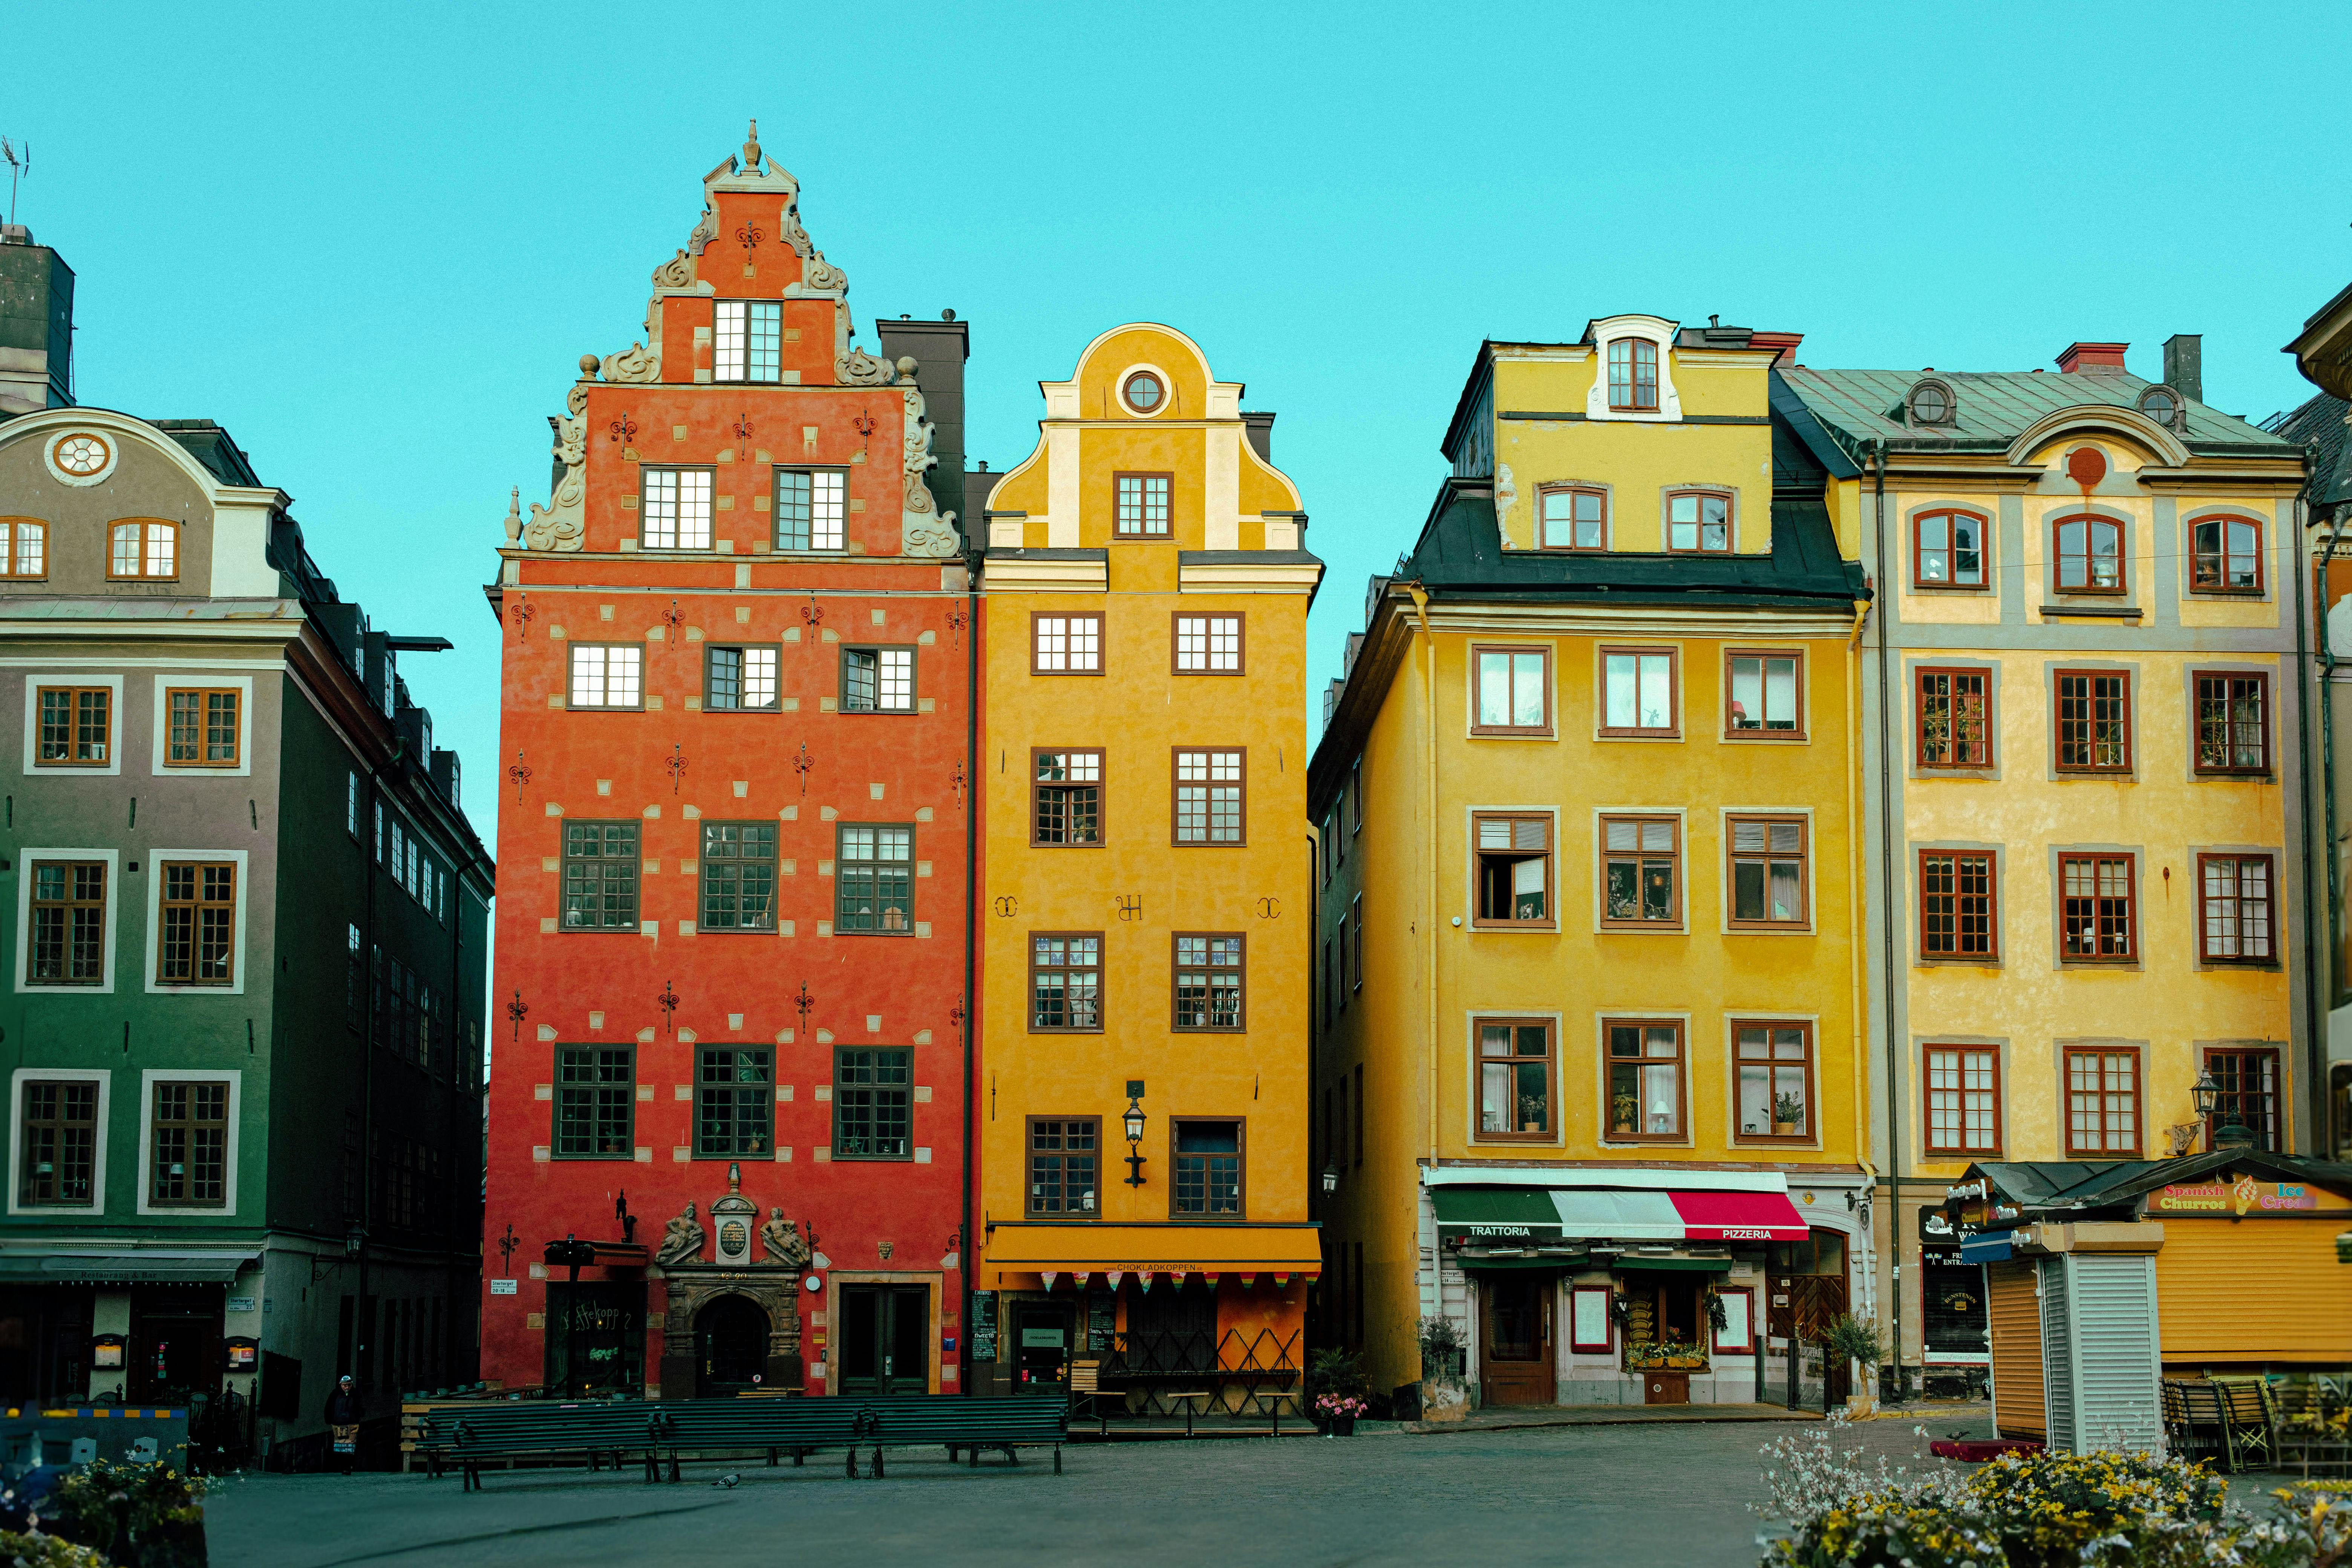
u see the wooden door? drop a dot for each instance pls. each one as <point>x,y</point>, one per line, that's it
<point>1516,1346</point>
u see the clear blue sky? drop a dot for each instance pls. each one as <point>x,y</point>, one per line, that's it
<point>374,241</point>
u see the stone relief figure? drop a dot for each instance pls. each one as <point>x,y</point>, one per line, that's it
<point>563,525</point>
<point>784,1242</point>
<point>924,529</point>
<point>682,1241</point>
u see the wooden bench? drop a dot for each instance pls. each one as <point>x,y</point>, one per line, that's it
<point>2248,1420</point>
<point>968,1424</point>
<point>544,1429</point>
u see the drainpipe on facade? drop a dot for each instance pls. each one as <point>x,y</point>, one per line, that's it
<point>1857,942</point>
<point>364,1321</point>
<point>969,1244</point>
<point>1318,1203</point>
<point>2322,999</point>
<point>1887,926</point>
<point>1429,787</point>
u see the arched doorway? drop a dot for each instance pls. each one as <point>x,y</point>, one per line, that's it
<point>730,1346</point>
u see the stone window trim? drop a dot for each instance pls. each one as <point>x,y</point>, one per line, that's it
<point>2068,545</point>
<point>2099,1052</point>
<point>2059,857</point>
<point>2052,674</point>
<point>1922,854</point>
<point>76,727</point>
<point>2195,581</point>
<point>189,867</point>
<point>1513,836</point>
<point>1923,551</point>
<point>192,738</point>
<point>1951,1080</point>
<point>1676,921</point>
<point>109,687</point>
<point>1672,730</point>
<point>1773,851</point>
<point>150,1080</point>
<point>1762,730</point>
<point>1642,1024</point>
<point>1922,674</point>
<point>2266,675</point>
<point>1572,496</point>
<point>1809,1064</point>
<point>29,860</point>
<point>1547,1064</point>
<point>19,1145</point>
<point>1631,365</point>
<point>1505,660</point>
<point>2273,902</point>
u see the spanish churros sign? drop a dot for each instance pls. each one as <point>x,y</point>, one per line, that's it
<point>2240,1199</point>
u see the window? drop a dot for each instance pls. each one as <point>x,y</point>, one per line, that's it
<point>1957,905</point>
<point>1768,871</point>
<point>1954,717</point>
<point>1142,391</point>
<point>77,729</point>
<point>1948,550</point>
<point>733,1104</point>
<point>1331,985</point>
<point>1340,932</point>
<point>877,680</point>
<point>1063,1154</point>
<point>749,340</point>
<point>69,935</point>
<point>2248,1080</point>
<point>1514,871</point>
<point>2103,1102</point>
<point>351,804</point>
<point>2095,908</point>
<point>1208,796</point>
<point>1645,1078</point>
<point>1514,1086</point>
<point>675,510</point>
<point>608,675</point>
<point>354,984</point>
<point>810,505</point>
<point>1355,796</point>
<point>600,876</point>
<point>1764,694</point>
<point>1633,374</point>
<point>1208,1169</point>
<point>201,727</point>
<point>198,939</point>
<point>2235,919</point>
<point>1360,1114</point>
<point>874,882</point>
<point>1641,868</point>
<point>1355,958</point>
<point>1963,1100</point>
<point>1776,1081</point>
<point>188,1157</point>
<point>595,1099</point>
<point>2233,732</point>
<point>1208,981</point>
<point>1208,645</point>
<point>2225,555</point>
<point>24,547</point>
<point>738,876</point>
<point>1065,645</point>
<point>1637,693</point>
<point>144,548</point>
<point>1575,519</point>
<point>1066,797</point>
<point>1066,982</point>
<point>60,1143</point>
<point>1142,511</point>
<point>2088,554</point>
<point>2095,721</point>
<point>1514,691</point>
<point>740,680</point>
<point>873,1107</point>
<point>1698,520</point>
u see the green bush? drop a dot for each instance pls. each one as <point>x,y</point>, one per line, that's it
<point>37,1551</point>
<point>106,1504</point>
<point>1334,1372</point>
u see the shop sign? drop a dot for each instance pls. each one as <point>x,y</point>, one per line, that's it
<point>2243,1198</point>
<point>1935,1228</point>
<point>502,1287</point>
<point>1505,1231</point>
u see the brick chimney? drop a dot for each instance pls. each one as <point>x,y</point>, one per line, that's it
<point>1782,344</point>
<point>2092,359</point>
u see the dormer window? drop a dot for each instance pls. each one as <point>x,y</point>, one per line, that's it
<point>1633,375</point>
<point>1932,404</point>
<point>749,340</point>
<point>1698,520</point>
<point>144,548</point>
<point>2164,405</point>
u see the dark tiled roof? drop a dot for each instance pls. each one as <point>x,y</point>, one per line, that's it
<point>213,446</point>
<point>2320,422</point>
<point>2039,1186</point>
<point>1995,407</point>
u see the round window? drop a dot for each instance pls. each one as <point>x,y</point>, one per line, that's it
<point>80,454</point>
<point>1930,405</point>
<point>2160,405</point>
<point>1143,392</point>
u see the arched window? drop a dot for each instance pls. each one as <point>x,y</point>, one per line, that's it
<point>2089,555</point>
<point>144,547</point>
<point>2225,555</point>
<point>1633,375</point>
<point>24,547</point>
<point>1948,550</point>
<point>1574,519</point>
<point>1698,520</point>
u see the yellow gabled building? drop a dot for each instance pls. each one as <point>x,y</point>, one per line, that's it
<point>1589,1076</point>
<point>1141,1107</point>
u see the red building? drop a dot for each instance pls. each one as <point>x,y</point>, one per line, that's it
<point>727,1097</point>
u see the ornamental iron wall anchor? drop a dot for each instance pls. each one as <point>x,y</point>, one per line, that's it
<point>956,781</point>
<point>748,237</point>
<point>1269,909</point>
<point>506,1245</point>
<point>624,430</point>
<point>667,1003</point>
<point>956,1016</point>
<point>671,619</point>
<point>802,763</point>
<point>1131,906</point>
<point>520,773</point>
<point>865,426</point>
<point>676,766</point>
<point>523,615</point>
<point>805,1003</point>
<point>517,1010</point>
<point>742,434</point>
<point>812,613</point>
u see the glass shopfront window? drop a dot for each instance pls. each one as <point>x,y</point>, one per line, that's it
<point>596,1337</point>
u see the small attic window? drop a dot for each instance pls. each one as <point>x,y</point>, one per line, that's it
<point>1932,403</point>
<point>2163,405</point>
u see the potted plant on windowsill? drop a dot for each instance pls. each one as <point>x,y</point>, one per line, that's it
<point>1531,1113</point>
<point>1337,1414</point>
<point>1788,1116</point>
<point>1624,1114</point>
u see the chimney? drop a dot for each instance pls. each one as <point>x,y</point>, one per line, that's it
<point>940,350</point>
<point>2184,365</point>
<point>1782,344</point>
<point>37,290</point>
<point>1259,428</point>
<point>2092,359</point>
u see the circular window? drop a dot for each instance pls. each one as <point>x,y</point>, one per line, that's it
<point>80,454</point>
<point>2159,404</point>
<point>1143,392</point>
<point>1931,403</point>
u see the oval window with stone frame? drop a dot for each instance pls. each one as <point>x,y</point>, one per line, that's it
<point>1142,392</point>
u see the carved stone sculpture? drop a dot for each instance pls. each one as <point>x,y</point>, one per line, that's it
<point>514,515</point>
<point>676,273</point>
<point>924,529</point>
<point>563,525</point>
<point>858,368</point>
<point>819,276</point>
<point>638,362</point>
<point>682,1241</point>
<point>784,1243</point>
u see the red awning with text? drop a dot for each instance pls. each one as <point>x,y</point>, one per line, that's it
<point>1739,1216</point>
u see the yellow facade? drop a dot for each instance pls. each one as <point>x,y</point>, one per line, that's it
<point>1412,976</point>
<point>1133,658</point>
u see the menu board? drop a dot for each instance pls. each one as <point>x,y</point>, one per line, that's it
<point>982,1324</point>
<point>1102,1320</point>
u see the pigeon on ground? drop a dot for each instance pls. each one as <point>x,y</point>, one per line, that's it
<point>727,1481</point>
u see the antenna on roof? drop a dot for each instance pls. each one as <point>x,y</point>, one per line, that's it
<point>18,163</point>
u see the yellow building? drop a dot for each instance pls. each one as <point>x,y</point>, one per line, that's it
<point>2083,740</point>
<point>1142,1104</point>
<point>1589,1069</point>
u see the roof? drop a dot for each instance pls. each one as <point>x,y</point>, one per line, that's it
<point>2039,1185</point>
<point>2320,422</point>
<point>213,446</point>
<point>1995,407</point>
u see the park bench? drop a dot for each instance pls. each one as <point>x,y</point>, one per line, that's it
<point>962,1423</point>
<point>547,1430</point>
<point>2224,1418</point>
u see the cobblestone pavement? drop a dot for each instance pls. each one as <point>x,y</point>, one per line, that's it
<point>1628,1496</point>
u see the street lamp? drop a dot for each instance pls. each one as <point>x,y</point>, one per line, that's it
<point>1330,1180</point>
<point>1134,1119</point>
<point>2233,1134</point>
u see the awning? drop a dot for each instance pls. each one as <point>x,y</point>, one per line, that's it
<point>124,1267</point>
<point>1987,1246</point>
<point>1633,1263</point>
<point>1535,1215</point>
<point>1495,1213</point>
<point>1606,1216</point>
<point>1089,1249</point>
<point>1553,1265</point>
<point>1739,1216</point>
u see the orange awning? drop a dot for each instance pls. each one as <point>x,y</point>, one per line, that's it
<point>1021,1248</point>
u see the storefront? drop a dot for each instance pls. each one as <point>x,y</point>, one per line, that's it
<point>1627,1286</point>
<point>1955,1335</point>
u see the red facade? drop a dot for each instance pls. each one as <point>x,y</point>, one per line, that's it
<point>733,847</point>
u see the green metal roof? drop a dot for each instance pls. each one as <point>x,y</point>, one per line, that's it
<point>1995,407</point>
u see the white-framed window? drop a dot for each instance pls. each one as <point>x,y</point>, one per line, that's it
<point>748,343</point>
<point>73,723</point>
<point>675,510</point>
<point>196,904</point>
<point>811,507</point>
<point>608,675</point>
<point>188,1140</point>
<point>201,722</point>
<point>57,1139</point>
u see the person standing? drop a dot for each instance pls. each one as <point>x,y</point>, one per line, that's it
<point>343,1423</point>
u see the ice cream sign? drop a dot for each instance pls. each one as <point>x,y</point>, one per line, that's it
<point>2236,1199</point>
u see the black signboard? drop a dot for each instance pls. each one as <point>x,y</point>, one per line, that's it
<point>983,1325</point>
<point>1102,1320</point>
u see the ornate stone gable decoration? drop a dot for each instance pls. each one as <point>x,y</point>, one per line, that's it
<point>733,1216</point>
<point>924,530</point>
<point>563,524</point>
